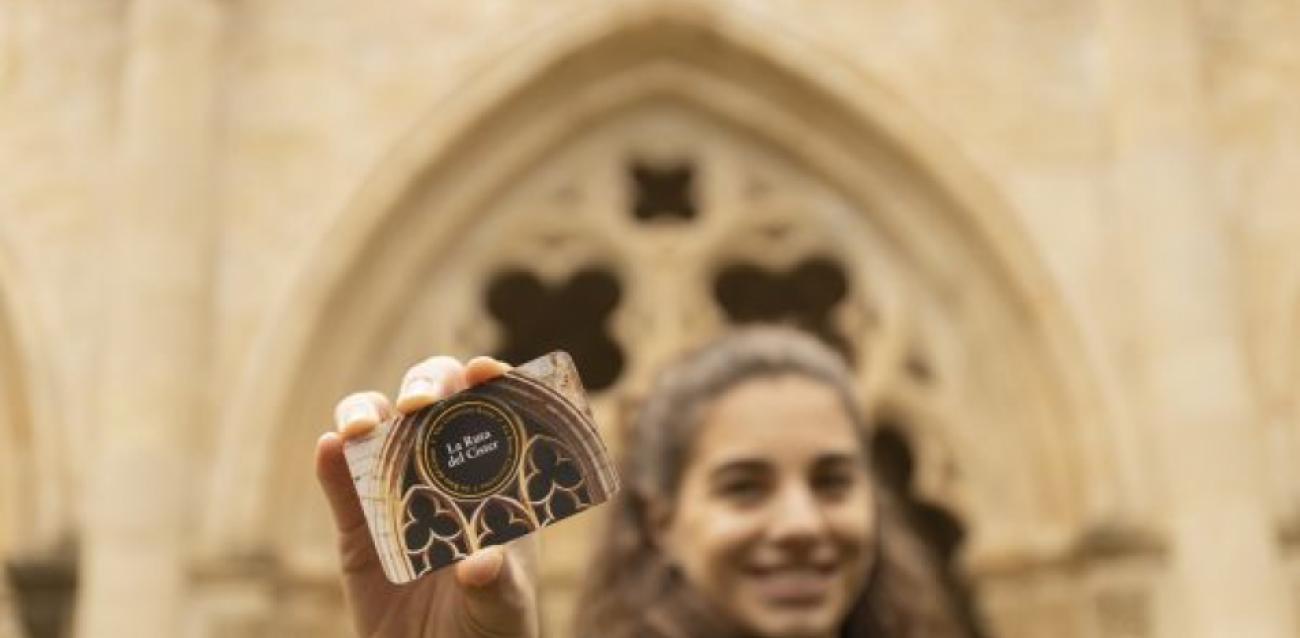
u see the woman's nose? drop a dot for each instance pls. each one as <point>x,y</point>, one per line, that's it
<point>797,517</point>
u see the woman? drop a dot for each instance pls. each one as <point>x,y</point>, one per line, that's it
<point>749,510</point>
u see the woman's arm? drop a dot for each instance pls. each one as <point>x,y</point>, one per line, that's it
<point>491,594</point>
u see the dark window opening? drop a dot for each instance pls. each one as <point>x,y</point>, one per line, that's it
<point>45,592</point>
<point>663,191</point>
<point>536,318</point>
<point>805,297</point>
<point>939,531</point>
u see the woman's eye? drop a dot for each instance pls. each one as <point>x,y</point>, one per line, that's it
<point>833,484</point>
<point>741,490</point>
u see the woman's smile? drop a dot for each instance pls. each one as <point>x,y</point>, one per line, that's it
<point>798,585</point>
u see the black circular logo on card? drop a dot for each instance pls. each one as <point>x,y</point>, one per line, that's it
<point>471,448</point>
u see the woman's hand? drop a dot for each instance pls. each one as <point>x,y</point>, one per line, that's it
<point>491,594</point>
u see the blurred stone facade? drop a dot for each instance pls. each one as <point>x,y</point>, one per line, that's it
<point>1060,241</point>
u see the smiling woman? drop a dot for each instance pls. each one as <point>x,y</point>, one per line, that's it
<point>750,509</point>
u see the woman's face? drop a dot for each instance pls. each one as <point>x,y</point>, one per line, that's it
<point>774,518</point>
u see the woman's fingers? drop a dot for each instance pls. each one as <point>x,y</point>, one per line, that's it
<point>500,592</point>
<point>438,377</point>
<point>482,369</point>
<point>496,587</point>
<point>481,569</point>
<point>365,585</point>
<point>355,415</point>
<point>358,413</point>
<point>428,381</point>
<point>336,481</point>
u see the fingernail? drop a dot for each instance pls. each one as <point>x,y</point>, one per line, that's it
<point>421,387</point>
<point>360,412</point>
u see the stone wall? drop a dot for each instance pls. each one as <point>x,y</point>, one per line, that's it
<point>1065,233</point>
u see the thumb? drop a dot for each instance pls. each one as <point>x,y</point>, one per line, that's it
<point>499,595</point>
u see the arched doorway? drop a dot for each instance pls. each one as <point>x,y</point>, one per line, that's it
<point>658,181</point>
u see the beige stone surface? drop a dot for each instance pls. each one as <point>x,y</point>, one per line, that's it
<point>217,217</point>
<point>9,621</point>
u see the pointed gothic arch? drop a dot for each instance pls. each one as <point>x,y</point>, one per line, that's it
<point>982,279</point>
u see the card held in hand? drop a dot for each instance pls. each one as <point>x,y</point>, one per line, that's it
<point>481,467</point>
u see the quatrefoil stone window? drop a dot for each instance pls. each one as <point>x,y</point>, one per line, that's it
<point>536,318</point>
<point>663,191</point>
<point>805,296</point>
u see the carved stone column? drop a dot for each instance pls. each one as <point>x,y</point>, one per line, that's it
<point>1192,392</point>
<point>153,385</point>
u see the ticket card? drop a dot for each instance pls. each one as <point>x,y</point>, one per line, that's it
<point>481,467</point>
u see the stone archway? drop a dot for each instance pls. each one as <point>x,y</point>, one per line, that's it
<point>958,325</point>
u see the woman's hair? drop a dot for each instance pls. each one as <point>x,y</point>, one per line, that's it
<point>632,587</point>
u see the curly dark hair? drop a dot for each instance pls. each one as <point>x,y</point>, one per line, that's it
<point>633,592</point>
